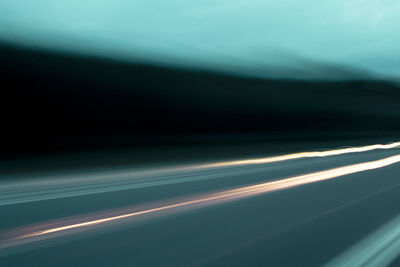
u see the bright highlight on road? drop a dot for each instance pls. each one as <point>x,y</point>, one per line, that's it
<point>80,184</point>
<point>380,248</point>
<point>86,223</point>
<point>301,155</point>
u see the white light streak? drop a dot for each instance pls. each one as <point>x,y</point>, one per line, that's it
<point>203,201</point>
<point>380,248</point>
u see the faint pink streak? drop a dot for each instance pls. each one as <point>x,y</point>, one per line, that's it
<point>85,223</point>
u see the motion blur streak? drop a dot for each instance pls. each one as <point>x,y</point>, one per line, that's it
<point>202,201</point>
<point>378,249</point>
<point>305,155</point>
<point>62,187</point>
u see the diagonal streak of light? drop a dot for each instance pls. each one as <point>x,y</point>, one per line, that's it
<point>61,188</point>
<point>207,200</point>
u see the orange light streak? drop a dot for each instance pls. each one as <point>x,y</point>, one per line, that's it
<point>235,194</point>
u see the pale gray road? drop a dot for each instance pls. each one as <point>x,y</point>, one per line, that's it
<point>307,224</point>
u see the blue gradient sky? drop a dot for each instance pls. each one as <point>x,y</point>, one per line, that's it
<point>241,36</point>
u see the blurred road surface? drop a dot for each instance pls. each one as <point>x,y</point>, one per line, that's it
<point>336,207</point>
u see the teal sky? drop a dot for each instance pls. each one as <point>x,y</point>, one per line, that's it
<point>241,36</point>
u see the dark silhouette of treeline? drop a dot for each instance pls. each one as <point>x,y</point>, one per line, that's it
<point>57,101</point>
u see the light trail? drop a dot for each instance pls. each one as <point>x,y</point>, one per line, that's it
<point>71,186</point>
<point>81,224</point>
<point>380,248</point>
<point>301,155</point>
